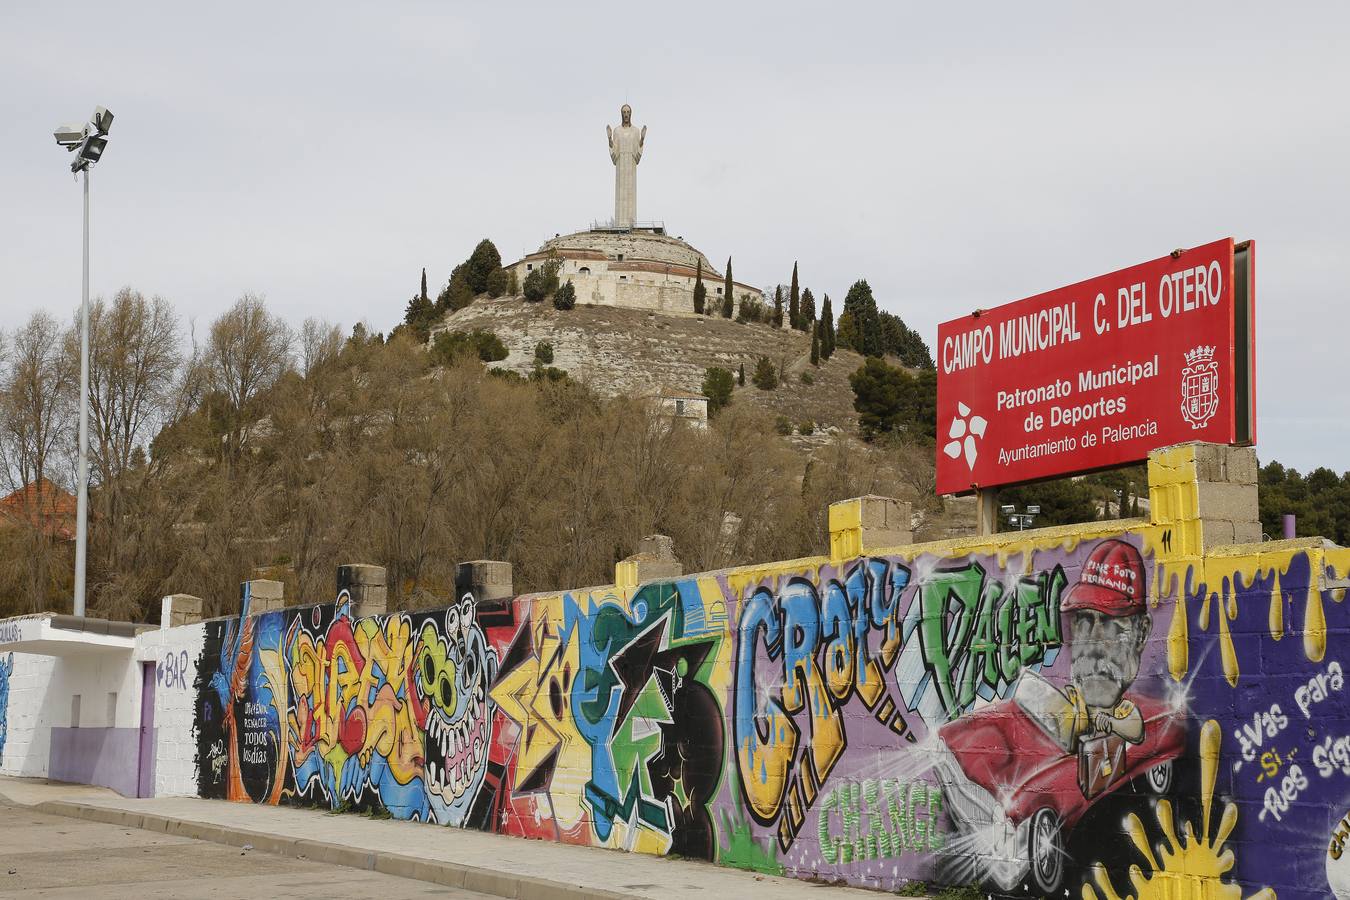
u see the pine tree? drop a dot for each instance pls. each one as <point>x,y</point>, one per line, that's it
<point>861,307</point>
<point>728,305</point>
<point>700,292</point>
<point>815,344</point>
<point>740,379</point>
<point>808,311</point>
<point>794,301</point>
<point>826,329</point>
<point>778,306</point>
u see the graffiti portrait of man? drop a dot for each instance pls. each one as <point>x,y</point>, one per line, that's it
<point>1108,628</point>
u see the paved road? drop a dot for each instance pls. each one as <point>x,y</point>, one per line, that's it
<point>53,856</point>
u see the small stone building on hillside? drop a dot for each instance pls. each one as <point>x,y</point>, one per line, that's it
<point>682,406</point>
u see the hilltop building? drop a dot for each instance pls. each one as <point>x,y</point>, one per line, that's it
<point>628,263</point>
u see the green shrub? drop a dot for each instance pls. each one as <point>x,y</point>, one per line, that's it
<point>451,346</point>
<point>807,378</point>
<point>782,425</point>
<point>717,386</point>
<point>543,353</point>
<point>565,297</point>
<point>766,377</point>
<point>806,428</point>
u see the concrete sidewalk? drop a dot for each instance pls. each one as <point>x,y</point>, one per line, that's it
<point>473,860</point>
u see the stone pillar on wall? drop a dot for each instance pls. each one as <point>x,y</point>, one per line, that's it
<point>265,595</point>
<point>864,524</point>
<point>180,609</point>
<point>1206,493</point>
<point>366,586</point>
<point>654,560</point>
<point>488,580</point>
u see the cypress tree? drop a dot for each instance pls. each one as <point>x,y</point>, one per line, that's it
<point>778,306</point>
<point>425,298</point>
<point>728,305</point>
<point>826,329</point>
<point>700,292</point>
<point>815,344</point>
<point>808,310</point>
<point>740,379</point>
<point>794,301</point>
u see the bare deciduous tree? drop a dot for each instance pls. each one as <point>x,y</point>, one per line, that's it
<point>248,350</point>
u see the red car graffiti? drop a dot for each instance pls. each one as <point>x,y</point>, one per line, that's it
<point>1016,784</point>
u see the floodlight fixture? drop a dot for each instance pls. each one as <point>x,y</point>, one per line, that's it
<point>1008,509</point>
<point>70,136</point>
<point>102,120</point>
<point>1033,509</point>
<point>90,152</point>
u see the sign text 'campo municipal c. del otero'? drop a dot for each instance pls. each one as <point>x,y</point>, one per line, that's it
<point>1099,373</point>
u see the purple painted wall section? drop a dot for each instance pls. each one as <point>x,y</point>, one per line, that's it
<point>102,756</point>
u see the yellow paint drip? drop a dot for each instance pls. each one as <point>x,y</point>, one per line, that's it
<point>1171,873</point>
<point>1178,642</point>
<point>1227,653</point>
<point>1314,625</point>
<point>1276,609</point>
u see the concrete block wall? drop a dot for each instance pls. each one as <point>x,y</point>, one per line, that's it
<point>1036,713</point>
<point>24,714</point>
<point>175,652</point>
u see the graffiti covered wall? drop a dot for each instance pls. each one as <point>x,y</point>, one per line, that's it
<point>1078,712</point>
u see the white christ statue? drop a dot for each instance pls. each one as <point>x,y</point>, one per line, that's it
<point>625,150</point>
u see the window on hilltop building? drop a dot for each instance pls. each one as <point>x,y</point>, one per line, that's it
<point>679,407</point>
<point>585,270</point>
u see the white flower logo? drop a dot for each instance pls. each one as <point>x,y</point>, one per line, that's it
<point>969,430</point>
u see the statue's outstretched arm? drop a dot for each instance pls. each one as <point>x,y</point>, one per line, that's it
<point>609,136</point>
<point>637,152</point>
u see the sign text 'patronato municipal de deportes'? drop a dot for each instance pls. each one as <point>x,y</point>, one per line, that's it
<point>1099,373</point>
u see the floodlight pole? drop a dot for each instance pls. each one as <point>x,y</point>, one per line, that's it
<point>82,496</point>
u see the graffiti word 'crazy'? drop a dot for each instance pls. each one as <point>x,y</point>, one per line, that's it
<point>818,657</point>
<point>880,819</point>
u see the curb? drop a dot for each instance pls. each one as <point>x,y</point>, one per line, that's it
<point>457,875</point>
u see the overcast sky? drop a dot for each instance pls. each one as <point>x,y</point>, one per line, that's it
<point>956,155</point>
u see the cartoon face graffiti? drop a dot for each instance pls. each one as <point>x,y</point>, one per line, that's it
<point>6,669</point>
<point>454,671</point>
<point>1108,627</point>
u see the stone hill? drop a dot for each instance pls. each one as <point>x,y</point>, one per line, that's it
<point>637,353</point>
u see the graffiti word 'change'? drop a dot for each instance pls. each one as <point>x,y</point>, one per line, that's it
<point>879,819</point>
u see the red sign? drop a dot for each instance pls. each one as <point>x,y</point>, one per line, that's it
<point>1099,373</point>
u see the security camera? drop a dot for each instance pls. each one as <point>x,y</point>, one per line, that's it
<point>70,136</point>
<point>102,119</point>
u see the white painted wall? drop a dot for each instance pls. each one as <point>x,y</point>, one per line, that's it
<point>175,652</point>
<point>28,731</point>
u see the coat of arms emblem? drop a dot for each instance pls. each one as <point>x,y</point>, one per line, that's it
<point>1200,387</point>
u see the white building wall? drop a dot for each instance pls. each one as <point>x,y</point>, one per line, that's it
<point>175,652</point>
<point>26,719</point>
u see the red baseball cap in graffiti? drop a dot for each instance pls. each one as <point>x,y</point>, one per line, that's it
<point>1112,581</point>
